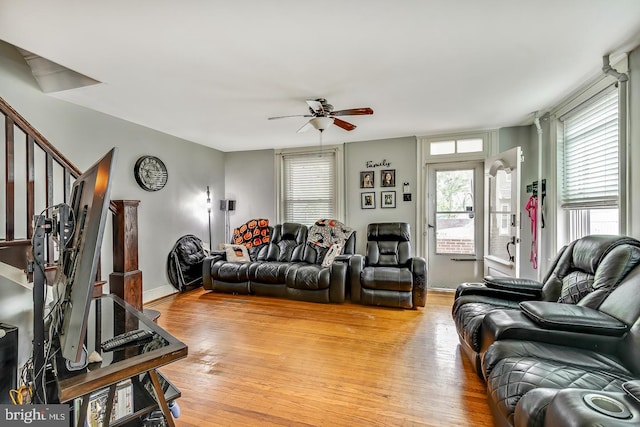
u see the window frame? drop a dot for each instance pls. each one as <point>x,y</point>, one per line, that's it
<point>337,150</point>
<point>560,229</point>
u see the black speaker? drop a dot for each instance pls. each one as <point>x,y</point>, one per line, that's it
<point>8,361</point>
<point>227,205</point>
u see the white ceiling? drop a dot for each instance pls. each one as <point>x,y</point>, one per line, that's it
<point>212,71</point>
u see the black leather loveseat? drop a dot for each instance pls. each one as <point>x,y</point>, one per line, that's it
<point>289,266</point>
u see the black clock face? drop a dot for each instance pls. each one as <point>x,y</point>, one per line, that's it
<point>151,173</point>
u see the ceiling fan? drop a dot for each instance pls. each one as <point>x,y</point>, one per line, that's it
<point>323,116</point>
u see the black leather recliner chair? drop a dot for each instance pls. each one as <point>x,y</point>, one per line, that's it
<point>584,272</point>
<point>560,354</point>
<point>389,275</point>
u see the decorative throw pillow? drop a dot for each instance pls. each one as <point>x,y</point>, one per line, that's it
<point>236,253</point>
<point>332,253</point>
<point>575,286</point>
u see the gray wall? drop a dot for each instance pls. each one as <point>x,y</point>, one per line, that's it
<point>83,136</point>
<point>400,154</point>
<point>250,181</point>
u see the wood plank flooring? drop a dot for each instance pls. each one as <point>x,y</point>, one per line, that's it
<point>258,361</point>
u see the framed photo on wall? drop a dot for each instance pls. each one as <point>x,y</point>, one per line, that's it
<point>367,179</point>
<point>388,178</point>
<point>368,200</point>
<point>388,199</point>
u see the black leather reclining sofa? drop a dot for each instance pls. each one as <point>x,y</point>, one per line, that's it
<point>553,364</point>
<point>287,267</point>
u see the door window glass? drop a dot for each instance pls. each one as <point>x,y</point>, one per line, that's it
<point>500,214</point>
<point>455,212</point>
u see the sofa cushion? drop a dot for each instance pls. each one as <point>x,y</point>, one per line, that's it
<point>387,278</point>
<point>269,272</point>
<point>513,367</point>
<point>287,242</point>
<point>308,277</point>
<point>230,271</point>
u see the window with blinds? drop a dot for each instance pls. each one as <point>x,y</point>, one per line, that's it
<point>590,157</point>
<point>308,190</point>
<point>590,166</point>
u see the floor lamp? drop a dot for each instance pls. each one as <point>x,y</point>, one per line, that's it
<point>209,214</point>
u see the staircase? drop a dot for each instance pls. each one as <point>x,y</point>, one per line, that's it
<point>36,176</point>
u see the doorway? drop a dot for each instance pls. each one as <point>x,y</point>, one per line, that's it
<point>455,223</point>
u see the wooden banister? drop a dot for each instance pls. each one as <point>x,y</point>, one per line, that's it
<point>126,281</point>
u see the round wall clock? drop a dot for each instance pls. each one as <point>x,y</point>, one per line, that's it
<point>151,173</point>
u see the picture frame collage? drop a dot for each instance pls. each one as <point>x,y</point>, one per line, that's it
<point>387,180</point>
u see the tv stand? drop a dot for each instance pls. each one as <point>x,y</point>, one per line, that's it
<point>138,365</point>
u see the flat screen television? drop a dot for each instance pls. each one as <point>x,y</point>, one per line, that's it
<point>88,206</point>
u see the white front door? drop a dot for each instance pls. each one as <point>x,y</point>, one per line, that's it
<point>454,223</point>
<point>502,221</point>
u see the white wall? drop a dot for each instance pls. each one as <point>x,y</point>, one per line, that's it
<point>400,154</point>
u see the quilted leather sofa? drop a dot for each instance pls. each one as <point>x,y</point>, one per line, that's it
<point>582,273</point>
<point>287,267</point>
<point>560,365</point>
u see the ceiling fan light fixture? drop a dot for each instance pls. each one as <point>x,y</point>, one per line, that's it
<point>321,123</point>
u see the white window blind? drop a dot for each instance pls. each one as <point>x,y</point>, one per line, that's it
<point>308,186</point>
<point>590,155</point>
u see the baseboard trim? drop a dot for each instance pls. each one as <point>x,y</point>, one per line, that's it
<point>157,293</point>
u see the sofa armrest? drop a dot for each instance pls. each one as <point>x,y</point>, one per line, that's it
<point>616,409</point>
<point>515,284</point>
<point>356,265</point>
<point>632,388</point>
<point>207,262</point>
<point>513,324</point>
<point>475,288</point>
<point>418,268</point>
<point>572,318</point>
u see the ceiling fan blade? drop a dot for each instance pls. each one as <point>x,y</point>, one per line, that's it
<point>315,106</point>
<point>353,112</point>
<point>344,125</point>
<point>305,128</point>
<point>294,115</point>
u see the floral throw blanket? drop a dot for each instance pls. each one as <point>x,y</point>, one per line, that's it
<point>328,232</point>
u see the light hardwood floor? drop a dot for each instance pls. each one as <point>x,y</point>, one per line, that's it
<point>257,361</point>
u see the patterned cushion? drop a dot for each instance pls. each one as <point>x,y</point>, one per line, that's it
<point>575,286</point>
<point>253,233</point>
